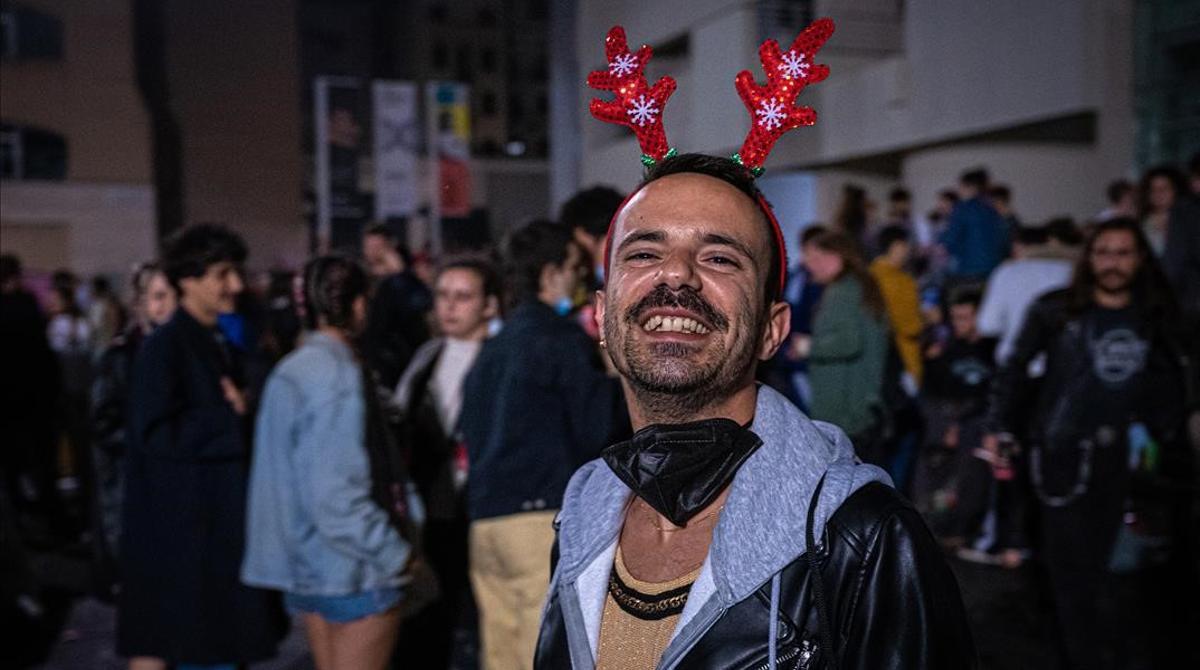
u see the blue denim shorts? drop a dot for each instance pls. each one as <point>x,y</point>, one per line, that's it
<point>343,609</point>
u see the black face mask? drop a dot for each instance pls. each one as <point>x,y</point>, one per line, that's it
<point>680,469</point>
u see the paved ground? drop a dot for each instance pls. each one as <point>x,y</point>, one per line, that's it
<point>78,632</point>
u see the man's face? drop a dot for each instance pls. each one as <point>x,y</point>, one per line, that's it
<point>461,308</point>
<point>1115,260</point>
<point>381,259</point>
<point>158,302</point>
<point>562,281</point>
<point>216,290</point>
<point>944,206</point>
<point>683,312</point>
<point>1162,194</point>
<point>824,266</point>
<point>962,320</point>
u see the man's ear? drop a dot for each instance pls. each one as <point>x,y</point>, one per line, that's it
<point>598,313</point>
<point>779,326</point>
<point>491,308</point>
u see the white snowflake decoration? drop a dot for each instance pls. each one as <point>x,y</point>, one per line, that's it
<point>642,111</point>
<point>622,65</point>
<point>771,114</point>
<point>794,64</point>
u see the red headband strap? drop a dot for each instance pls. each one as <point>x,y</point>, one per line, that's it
<point>760,200</point>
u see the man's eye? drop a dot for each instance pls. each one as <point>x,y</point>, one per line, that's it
<point>724,260</point>
<point>640,256</point>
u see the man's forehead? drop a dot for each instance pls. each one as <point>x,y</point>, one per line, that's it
<point>692,204</point>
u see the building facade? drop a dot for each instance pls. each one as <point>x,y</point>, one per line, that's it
<point>1040,93</point>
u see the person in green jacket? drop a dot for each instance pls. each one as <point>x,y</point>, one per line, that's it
<point>849,343</point>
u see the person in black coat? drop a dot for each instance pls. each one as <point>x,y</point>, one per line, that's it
<point>185,497</point>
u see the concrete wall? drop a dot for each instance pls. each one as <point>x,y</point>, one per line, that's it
<point>234,78</point>
<point>1046,180</point>
<point>91,228</point>
<point>90,96</point>
<point>101,218</point>
<point>916,85</point>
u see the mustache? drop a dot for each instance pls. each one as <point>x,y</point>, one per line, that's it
<point>685,298</point>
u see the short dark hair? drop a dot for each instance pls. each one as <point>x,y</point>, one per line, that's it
<point>811,232</point>
<point>10,267</point>
<point>191,251</point>
<point>899,194</point>
<point>389,235</point>
<point>380,229</point>
<point>1000,192</point>
<point>948,194</point>
<point>737,176</point>
<point>1031,235</point>
<point>101,286</point>
<point>488,277</point>
<point>591,210</point>
<point>1064,230</point>
<point>977,177</point>
<point>966,295</point>
<point>1165,171</point>
<point>1118,189</point>
<point>331,285</point>
<point>891,235</point>
<point>528,251</point>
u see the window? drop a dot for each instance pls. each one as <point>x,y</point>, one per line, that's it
<point>32,153</point>
<point>26,34</point>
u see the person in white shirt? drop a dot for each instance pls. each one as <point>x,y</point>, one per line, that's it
<point>1043,259</point>
<point>429,398</point>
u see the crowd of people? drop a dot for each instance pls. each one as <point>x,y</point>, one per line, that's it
<point>381,452</point>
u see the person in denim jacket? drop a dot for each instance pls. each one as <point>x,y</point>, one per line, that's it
<point>313,529</point>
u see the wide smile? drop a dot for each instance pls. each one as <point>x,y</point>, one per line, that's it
<point>674,322</point>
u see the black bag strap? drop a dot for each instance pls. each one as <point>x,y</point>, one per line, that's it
<point>827,637</point>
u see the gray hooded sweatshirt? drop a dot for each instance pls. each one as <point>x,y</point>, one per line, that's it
<point>761,529</point>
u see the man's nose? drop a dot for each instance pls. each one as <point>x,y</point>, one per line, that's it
<point>678,270</point>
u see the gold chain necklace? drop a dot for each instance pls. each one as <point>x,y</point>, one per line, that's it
<point>653,522</point>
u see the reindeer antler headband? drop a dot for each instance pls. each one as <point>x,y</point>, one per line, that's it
<point>772,107</point>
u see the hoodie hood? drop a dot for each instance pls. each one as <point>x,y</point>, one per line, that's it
<point>761,529</point>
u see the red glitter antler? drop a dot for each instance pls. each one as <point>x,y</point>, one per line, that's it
<point>772,108</point>
<point>637,104</point>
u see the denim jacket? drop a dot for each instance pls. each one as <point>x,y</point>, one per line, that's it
<point>312,527</point>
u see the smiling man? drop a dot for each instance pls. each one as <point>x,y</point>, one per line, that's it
<point>181,603</point>
<point>730,531</point>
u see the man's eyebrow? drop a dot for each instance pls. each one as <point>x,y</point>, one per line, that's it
<point>715,238</point>
<point>642,236</point>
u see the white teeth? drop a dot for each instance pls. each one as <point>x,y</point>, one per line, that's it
<point>674,324</point>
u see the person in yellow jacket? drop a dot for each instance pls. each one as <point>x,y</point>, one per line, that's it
<point>901,297</point>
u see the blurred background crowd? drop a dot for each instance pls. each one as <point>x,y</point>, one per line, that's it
<point>994,245</point>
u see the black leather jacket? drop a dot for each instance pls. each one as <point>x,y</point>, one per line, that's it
<point>890,599</point>
<point>1055,407</point>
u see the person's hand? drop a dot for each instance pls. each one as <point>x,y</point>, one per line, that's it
<point>991,444</point>
<point>934,350</point>
<point>234,396</point>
